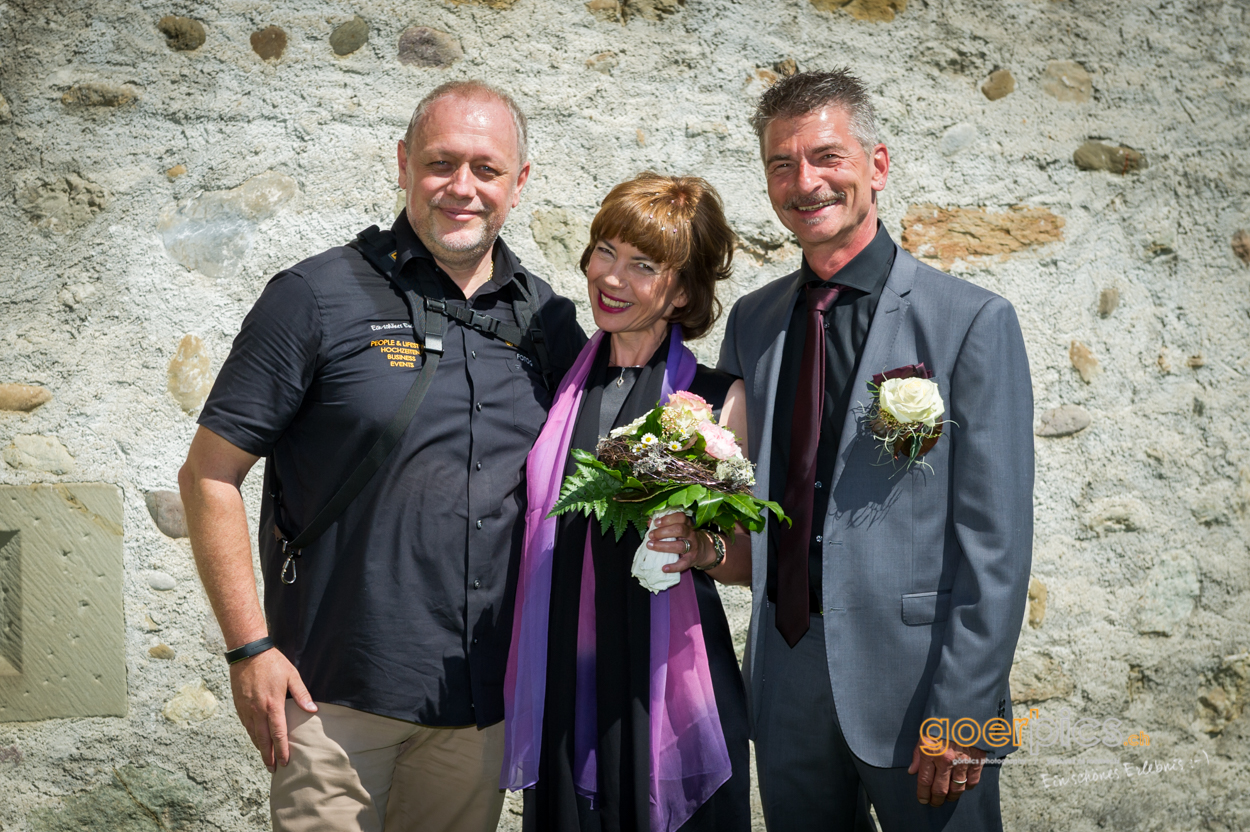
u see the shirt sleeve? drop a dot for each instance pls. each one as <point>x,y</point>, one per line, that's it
<point>271,364</point>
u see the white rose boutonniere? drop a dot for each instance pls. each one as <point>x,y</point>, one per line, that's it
<point>906,412</point>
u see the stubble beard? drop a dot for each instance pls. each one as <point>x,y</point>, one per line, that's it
<point>459,251</point>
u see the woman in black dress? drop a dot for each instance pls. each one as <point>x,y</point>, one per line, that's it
<point>581,687</point>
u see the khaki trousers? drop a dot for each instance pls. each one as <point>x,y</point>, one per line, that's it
<point>352,771</point>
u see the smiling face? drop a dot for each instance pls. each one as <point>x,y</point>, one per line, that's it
<point>630,292</point>
<point>821,182</point>
<point>462,176</point>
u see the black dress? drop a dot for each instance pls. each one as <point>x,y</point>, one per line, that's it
<point>623,622</point>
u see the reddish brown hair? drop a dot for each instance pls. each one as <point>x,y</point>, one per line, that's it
<point>679,222</point>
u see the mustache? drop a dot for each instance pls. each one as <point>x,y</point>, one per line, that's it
<point>798,201</point>
<point>437,203</point>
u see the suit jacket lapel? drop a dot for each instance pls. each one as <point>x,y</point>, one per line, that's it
<point>774,319</point>
<point>891,310</point>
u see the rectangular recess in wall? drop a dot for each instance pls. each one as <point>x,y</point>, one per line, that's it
<point>10,603</point>
<point>61,627</point>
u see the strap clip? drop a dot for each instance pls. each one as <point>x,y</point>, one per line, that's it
<point>289,564</point>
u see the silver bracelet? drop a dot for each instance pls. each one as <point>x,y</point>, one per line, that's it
<point>719,545</point>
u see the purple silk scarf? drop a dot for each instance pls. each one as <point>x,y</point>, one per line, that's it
<point>689,759</point>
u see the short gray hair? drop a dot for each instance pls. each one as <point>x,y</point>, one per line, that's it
<point>471,89</point>
<point>807,92</point>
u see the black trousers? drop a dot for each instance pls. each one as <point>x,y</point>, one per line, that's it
<point>810,780</point>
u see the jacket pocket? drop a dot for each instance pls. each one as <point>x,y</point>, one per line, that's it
<point>926,607</point>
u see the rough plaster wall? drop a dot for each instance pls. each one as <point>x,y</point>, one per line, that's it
<point>1139,607</point>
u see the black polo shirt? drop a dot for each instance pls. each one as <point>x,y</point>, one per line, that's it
<point>404,606</point>
<point>846,329</point>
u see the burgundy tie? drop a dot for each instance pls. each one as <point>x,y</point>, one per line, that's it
<point>793,607</point>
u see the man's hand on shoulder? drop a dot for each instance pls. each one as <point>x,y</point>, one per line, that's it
<point>946,776</point>
<point>259,685</point>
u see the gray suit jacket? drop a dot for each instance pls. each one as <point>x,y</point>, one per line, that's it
<point>925,571</point>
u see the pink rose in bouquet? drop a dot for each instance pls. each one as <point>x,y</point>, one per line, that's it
<point>720,442</point>
<point>688,403</point>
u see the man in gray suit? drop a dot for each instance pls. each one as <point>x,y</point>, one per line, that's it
<point>894,601</point>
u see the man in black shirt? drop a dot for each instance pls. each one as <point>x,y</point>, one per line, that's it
<point>393,636</point>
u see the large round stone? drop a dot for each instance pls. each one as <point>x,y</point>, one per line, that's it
<point>350,36</point>
<point>182,33</point>
<point>269,43</point>
<point>423,46</point>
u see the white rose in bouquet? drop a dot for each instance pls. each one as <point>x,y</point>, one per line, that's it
<point>911,400</point>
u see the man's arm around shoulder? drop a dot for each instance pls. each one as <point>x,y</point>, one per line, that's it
<point>217,521</point>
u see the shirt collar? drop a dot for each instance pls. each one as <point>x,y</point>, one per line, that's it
<point>867,270</point>
<point>408,245</point>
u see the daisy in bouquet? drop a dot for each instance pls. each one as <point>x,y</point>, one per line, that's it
<point>673,458</point>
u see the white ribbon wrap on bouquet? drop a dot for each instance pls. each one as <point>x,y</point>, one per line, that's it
<point>648,563</point>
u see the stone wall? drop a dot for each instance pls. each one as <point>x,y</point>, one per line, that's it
<point>160,159</point>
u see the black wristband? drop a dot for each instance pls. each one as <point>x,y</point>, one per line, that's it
<point>252,648</point>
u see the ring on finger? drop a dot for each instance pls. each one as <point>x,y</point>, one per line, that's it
<point>686,541</point>
<point>959,782</point>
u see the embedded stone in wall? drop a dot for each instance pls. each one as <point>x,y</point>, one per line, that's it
<point>1116,514</point>
<point>62,202</point>
<point>1195,361</point>
<point>134,798</point>
<point>212,233</point>
<point>23,398</point>
<point>423,46</point>
<point>163,652</point>
<point>190,378</point>
<point>604,62</point>
<point>958,138</point>
<point>269,43</point>
<point>1067,81</point>
<point>61,642</point>
<point>173,173</point>
<point>1037,602</point>
<point>1036,678</point>
<point>1228,696</point>
<point>650,9</point>
<point>873,10</point>
<point>349,36</point>
<point>606,10</point>
<point>492,4</point>
<point>167,512</point>
<point>39,453</point>
<point>1000,84</point>
<point>786,67</point>
<point>950,234</point>
<point>1084,361</point>
<point>1108,300</point>
<point>93,94</point>
<point>5,113</point>
<point>1099,156</point>
<point>561,235</point>
<point>1168,594</point>
<point>1064,420</point>
<point>193,703</point>
<point>158,580</point>
<point>183,34</point>
<point>1241,245</point>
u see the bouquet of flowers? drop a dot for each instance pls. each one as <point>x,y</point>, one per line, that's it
<point>673,458</point>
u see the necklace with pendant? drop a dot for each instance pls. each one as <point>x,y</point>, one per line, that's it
<point>620,380</point>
